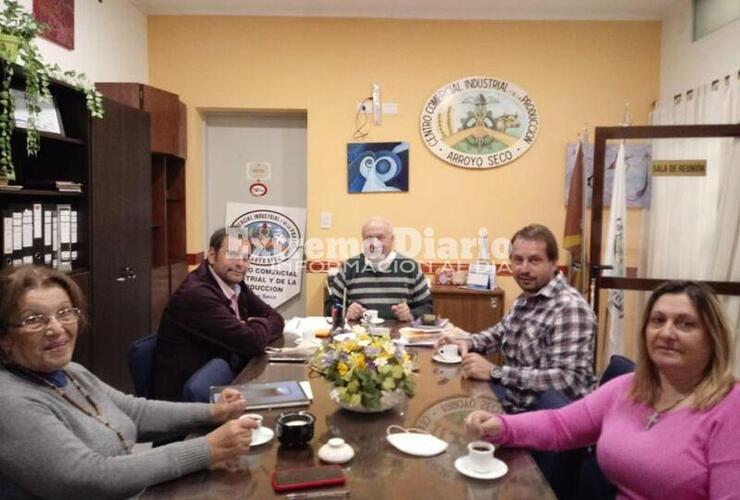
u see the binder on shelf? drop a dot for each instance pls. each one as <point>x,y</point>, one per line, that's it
<point>54,238</point>
<point>17,236</point>
<point>7,238</point>
<point>38,234</point>
<point>27,218</point>
<point>65,237</point>
<point>48,241</point>
<point>73,234</point>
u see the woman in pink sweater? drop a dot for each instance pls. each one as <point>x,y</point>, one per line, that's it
<point>671,429</point>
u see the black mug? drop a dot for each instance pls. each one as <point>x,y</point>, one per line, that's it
<point>294,428</point>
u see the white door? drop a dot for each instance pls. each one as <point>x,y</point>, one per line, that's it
<point>235,139</point>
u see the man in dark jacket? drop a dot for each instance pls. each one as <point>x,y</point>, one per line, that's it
<point>213,314</point>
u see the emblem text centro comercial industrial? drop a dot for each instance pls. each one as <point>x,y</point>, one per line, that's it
<point>479,122</point>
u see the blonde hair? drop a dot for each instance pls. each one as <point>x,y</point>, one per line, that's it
<point>718,378</point>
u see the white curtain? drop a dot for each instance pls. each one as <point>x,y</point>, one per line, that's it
<point>692,229</point>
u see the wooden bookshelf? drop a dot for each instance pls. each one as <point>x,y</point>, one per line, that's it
<point>109,157</point>
<point>168,152</point>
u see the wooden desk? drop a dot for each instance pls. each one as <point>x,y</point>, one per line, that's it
<point>471,310</point>
<point>378,470</point>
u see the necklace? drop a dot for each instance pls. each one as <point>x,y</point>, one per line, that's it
<point>96,409</point>
<point>655,416</point>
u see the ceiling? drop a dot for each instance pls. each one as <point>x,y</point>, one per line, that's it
<point>416,9</point>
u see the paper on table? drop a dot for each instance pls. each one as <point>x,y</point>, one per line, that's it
<point>418,337</point>
<point>312,323</point>
<point>414,336</point>
<point>306,386</point>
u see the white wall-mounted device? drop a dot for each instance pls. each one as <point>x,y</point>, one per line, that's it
<point>377,105</point>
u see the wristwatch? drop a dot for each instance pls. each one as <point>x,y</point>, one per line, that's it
<point>497,373</point>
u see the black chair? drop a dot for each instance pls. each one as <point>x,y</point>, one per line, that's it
<point>196,389</point>
<point>592,483</point>
<point>140,362</point>
<point>618,365</point>
<point>560,468</point>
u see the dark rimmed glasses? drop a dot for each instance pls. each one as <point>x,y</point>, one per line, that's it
<point>39,322</point>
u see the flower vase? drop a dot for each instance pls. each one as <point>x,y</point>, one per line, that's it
<point>388,400</point>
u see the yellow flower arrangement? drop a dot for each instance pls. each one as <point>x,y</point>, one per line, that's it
<point>365,367</point>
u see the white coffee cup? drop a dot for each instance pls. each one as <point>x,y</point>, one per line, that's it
<point>254,416</point>
<point>371,316</point>
<point>243,462</point>
<point>480,456</point>
<point>449,351</point>
<point>308,335</point>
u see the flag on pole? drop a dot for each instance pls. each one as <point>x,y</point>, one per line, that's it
<point>573,237</point>
<point>614,256</point>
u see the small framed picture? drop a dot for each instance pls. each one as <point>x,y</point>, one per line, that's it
<point>377,167</point>
<point>48,120</point>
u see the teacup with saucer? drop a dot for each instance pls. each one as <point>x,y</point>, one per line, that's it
<point>480,463</point>
<point>261,434</point>
<point>448,353</point>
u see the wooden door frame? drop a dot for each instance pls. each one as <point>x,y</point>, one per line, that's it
<point>603,134</point>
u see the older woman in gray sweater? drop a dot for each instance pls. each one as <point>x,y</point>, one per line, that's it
<point>66,434</point>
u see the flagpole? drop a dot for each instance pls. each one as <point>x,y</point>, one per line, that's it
<point>571,260</point>
<point>584,195</point>
<point>614,318</point>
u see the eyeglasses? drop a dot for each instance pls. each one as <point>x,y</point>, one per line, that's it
<point>38,322</point>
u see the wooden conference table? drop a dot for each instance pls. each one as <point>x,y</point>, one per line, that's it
<point>378,470</point>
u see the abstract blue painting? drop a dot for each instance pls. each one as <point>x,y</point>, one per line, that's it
<point>377,167</point>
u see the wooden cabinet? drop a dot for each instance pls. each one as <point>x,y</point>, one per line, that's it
<point>471,310</point>
<point>120,237</point>
<point>168,150</point>
<point>164,107</point>
<point>169,259</point>
<point>109,157</point>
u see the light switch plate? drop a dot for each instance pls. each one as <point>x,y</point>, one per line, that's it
<point>325,221</point>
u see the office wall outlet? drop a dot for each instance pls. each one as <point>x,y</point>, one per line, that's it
<point>325,220</point>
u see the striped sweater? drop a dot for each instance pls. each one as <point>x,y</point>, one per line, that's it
<point>403,281</point>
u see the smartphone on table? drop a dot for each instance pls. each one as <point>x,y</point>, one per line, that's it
<point>303,478</point>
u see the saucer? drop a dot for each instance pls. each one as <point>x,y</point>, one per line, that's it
<point>447,361</point>
<point>262,436</point>
<point>308,343</point>
<point>378,331</point>
<point>344,336</point>
<point>415,442</point>
<point>376,321</point>
<point>498,469</point>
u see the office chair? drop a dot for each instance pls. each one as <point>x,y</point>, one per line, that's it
<point>140,361</point>
<point>618,365</point>
<point>592,484</point>
<point>197,388</point>
<point>560,468</point>
<point>576,473</point>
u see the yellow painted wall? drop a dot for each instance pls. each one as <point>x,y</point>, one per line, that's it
<point>575,71</point>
